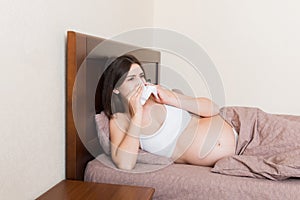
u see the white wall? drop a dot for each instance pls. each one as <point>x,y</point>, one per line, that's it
<point>32,82</point>
<point>254,44</point>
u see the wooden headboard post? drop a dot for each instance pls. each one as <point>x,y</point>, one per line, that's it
<point>74,146</point>
<point>79,46</point>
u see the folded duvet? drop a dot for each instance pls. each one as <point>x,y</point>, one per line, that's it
<point>268,144</point>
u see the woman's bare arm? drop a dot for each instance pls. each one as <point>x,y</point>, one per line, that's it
<point>198,105</point>
<point>125,143</point>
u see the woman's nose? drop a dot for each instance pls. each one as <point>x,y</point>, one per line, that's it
<point>141,81</point>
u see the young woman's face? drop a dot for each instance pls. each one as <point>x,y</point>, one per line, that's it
<point>134,78</point>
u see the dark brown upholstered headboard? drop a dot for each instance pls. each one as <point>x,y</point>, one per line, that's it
<point>82,56</point>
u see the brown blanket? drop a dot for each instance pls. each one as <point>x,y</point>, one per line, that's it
<point>268,144</point>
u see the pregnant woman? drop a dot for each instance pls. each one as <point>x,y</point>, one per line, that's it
<point>160,121</point>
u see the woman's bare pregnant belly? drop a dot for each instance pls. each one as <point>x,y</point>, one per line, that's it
<point>205,141</point>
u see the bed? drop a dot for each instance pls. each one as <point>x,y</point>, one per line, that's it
<point>86,160</point>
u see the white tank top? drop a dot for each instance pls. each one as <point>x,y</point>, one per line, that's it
<point>163,142</point>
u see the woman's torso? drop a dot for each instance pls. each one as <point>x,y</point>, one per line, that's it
<point>202,142</point>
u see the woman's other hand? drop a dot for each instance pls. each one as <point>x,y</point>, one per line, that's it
<point>166,96</point>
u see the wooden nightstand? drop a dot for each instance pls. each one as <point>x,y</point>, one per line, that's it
<point>68,189</point>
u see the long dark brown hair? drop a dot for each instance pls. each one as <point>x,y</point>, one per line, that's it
<point>113,77</point>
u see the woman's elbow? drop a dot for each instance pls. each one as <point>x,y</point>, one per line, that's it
<point>124,164</point>
<point>215,110</point>
<point>211,108</point>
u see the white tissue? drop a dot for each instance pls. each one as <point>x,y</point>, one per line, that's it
<point>147,91</point>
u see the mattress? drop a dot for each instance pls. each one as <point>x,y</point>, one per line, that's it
<point>182,181</point>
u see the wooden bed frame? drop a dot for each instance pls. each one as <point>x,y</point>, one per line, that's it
<point>82,56</point>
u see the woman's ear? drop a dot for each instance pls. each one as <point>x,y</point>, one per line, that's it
<point>116,91</point>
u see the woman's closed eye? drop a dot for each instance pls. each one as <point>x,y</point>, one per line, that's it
<point>132,77</point>
<point>142,76</point>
